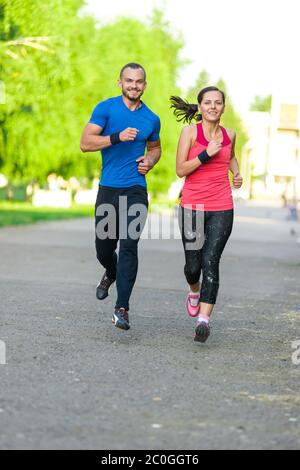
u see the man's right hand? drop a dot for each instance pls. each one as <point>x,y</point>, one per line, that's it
<point>213,148</point>
<point>128,134</point>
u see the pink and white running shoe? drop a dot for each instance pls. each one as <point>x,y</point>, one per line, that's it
<point>192,304</point>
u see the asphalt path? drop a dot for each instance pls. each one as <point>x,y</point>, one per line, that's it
<point>74,381</point>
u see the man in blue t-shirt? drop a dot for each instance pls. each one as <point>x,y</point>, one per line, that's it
<point>121,128</point>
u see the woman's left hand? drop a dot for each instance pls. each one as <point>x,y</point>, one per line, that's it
<point>237,180</point>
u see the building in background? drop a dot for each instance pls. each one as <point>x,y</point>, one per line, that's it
<point>271,157</point>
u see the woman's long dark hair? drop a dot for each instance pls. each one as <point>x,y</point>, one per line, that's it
<point>185,111</point>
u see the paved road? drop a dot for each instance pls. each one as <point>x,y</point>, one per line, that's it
<point>72,380</point>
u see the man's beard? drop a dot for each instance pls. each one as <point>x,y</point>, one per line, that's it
<point>134,100</point>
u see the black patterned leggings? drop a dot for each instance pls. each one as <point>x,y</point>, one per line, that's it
<point>204,237</point>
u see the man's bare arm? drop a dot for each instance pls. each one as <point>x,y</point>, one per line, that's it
<point>93,141</point>
<point>154,152</point>
<point>148,161</point>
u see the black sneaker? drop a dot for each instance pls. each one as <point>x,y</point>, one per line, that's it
<point>202,332</point>
<point>121,319</point>
<point>103,287</point>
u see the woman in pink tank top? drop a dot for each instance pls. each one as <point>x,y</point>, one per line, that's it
<point>204,156</point>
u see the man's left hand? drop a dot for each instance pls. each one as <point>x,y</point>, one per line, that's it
<point>145,165</point>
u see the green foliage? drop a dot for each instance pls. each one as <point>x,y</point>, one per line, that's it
<point>56,65</point>
<point>12,213</point>
<point>263,104</point>
<point>202,81</point>
<point>40,124</point>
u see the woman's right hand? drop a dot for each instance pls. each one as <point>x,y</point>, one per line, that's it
<point>213,148</point>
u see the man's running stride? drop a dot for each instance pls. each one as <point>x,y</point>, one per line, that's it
<point>121,128</point>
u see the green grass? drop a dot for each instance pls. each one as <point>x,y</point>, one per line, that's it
<point>20,213</point>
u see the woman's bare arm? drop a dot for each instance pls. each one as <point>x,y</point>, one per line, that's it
<point>234,164</point>
<point>183,166</point>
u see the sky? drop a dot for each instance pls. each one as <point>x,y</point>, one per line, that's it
<point>254,45</point>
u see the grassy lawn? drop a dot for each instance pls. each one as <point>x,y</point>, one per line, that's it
<point>18,213</point>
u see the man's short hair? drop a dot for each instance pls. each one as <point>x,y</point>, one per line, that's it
<point>133,65</point>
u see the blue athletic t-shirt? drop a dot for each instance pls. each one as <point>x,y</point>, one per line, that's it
<point>119,166</point>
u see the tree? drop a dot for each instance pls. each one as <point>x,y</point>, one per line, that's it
<point>202,81</point>
<point>37,76</point>
<point>56,66</point>
<point>263,104</point>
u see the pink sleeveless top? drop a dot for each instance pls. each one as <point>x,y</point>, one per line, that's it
<point>209,185</point>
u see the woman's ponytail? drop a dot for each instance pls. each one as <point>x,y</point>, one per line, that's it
<point>183,110</point>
